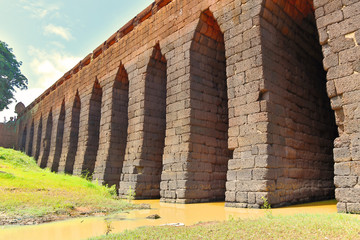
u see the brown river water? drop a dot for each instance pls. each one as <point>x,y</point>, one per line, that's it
<point>189,214</point>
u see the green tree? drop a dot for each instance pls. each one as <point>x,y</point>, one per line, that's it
<point>10,76</point>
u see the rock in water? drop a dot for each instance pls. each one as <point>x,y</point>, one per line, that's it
<point>154,216</point>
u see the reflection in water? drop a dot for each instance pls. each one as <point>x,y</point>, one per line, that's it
<point>188,214</point>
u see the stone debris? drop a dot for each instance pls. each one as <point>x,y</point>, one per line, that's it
<point>154,216</point>
<point>174,224</point>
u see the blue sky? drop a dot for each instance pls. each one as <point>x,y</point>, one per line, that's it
<point>52,36</point>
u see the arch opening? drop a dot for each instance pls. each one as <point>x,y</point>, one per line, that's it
<point>150,167</point>
<point>31,140</point>
<point>113,130</point>
<point>59,138</point>
<point>209,113</point>
<point>119,124</point>
<point>303,128</point>
<point>93,126</point>
<point>46,142</point>
<point>74,135</point>
<point>38,139</point>
<point>23,139</point>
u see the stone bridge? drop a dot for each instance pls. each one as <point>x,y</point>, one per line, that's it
<point>206,100</point>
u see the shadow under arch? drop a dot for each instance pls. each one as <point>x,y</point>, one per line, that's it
<point>59,138</point>
<point>303,125</point>
<point>38,139</point>
<point>208,160</point>
<point>31,140</point>
<point>93,128</point>
<point>113,130</point>
<point>69,152</point>
<point>150,168</point>
<point>46,142</point>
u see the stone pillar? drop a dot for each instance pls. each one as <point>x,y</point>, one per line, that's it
<point>178,115</point>
<point>113,128</point>
<point>247,180</point>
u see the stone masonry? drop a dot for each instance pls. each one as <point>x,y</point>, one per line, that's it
<point>195,101</point>
<point>8,135</point>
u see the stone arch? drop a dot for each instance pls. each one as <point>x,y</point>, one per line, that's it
<point>71,149</point>
<point>46,141</point>
<point>209,113</point>
<point>59,138</point>
<point>31,140</point>
<point>113,130</point>
<point>38,138</point>
<point>154,127</point>
<point>93,130</point>
<point>302,124</point>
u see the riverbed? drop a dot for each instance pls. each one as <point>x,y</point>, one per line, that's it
<point>187,214</point>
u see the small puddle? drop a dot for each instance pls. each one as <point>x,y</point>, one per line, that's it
<point>189,214</point>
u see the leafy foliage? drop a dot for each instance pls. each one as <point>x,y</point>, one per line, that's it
<point>130,194</point>
<point>10,76</point>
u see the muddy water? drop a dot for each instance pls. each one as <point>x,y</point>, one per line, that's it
<point>83,228</point>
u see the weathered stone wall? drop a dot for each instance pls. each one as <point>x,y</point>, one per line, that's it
<point>8,135</point>
<point>203,100</point>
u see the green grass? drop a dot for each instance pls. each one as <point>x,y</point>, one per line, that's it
<point>305,226</point>
<point>29,191</point>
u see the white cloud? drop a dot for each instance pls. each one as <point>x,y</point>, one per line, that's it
<point>47,67</point>
<point>57,45</point>
<point>50,66</point>
<point>58,30</point>
<point>38,8</point>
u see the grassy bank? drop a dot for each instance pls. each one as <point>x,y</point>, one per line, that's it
<point>28,192</point>
<point>324,226</point>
